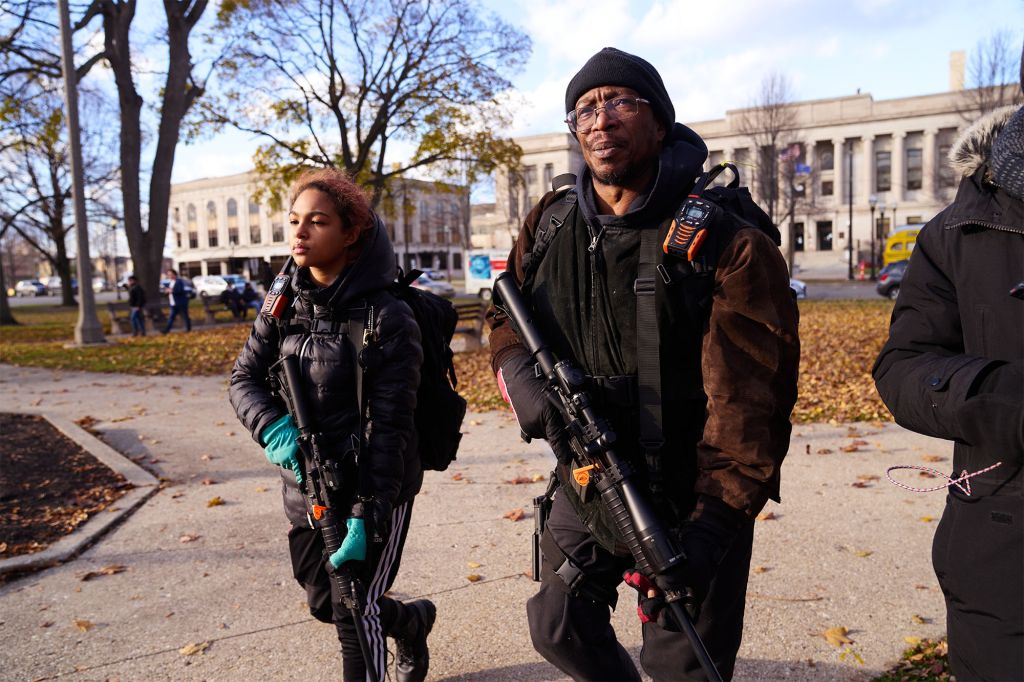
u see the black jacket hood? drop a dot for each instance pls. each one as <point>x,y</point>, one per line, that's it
<point>680,162</point>
<point>374,269</point>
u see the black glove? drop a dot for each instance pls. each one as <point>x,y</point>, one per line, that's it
<point>376,515</point>
<point>528,396</point>
<point>649,608</point>
<point>992,417</point>
<point>704,539</point>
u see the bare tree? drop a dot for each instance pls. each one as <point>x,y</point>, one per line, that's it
<point>27,54</point>
<point>343,81</point>
<point>993,75</point>
<point>769,122</point>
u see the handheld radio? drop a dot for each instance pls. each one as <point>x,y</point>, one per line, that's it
<point>279,295</point>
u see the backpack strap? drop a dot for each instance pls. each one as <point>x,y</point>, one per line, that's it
<point>648,349</point>
<point>553,218</point>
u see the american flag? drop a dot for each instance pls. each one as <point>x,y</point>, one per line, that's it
<point>790,153</point>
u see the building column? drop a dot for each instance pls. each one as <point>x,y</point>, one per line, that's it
<point>899,180</point>
<point>867,174</point>
<point>930,169</point>
<point>839,171</point>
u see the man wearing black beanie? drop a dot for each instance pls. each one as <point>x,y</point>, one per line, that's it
<point>692,359</point>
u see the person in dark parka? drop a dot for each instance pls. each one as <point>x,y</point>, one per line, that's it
<point>345,266</point>
<point>953,368</point>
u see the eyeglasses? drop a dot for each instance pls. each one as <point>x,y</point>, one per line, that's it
<point>583,119</point>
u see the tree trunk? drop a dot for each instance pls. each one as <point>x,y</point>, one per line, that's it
<point>6,316</point>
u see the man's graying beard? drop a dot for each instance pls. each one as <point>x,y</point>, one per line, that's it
<point>620,179</point>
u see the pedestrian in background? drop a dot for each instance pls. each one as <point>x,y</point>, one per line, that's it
<point>137,302</point>
<point>177,296</point>
<point>953,368</point>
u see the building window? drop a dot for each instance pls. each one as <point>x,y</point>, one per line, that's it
<point>211,224</point>
<point>914,220</point>
<point>915,165</point>
<point>193,227</point>
<point>826,160</point>
<point>826,188</point>
<point>177,238</point>
<point>947,177</point>
<point>232,221</point>
<point>549,175</point>
<point>883,171</point>
<point>277,227</point>
<point>824,235</point>
<point>530,178</point>
<point>798,236</point>
<point>255,233</point>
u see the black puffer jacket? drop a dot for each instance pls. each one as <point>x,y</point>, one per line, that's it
<point>328,369</point>
<point>955,320</point>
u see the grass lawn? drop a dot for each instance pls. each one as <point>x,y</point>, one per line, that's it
<point>839,340</point>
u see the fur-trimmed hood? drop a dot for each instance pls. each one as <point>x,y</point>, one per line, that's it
<point>973,148</point>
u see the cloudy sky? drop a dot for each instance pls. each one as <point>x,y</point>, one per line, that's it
<point>713,55</point>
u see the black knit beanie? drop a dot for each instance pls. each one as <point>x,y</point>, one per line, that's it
<point>615,67</point>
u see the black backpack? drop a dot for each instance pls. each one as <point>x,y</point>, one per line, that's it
<point>439,408</point>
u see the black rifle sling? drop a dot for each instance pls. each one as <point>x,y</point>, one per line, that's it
<point>648,358</point>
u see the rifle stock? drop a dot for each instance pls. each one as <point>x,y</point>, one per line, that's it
<point>654,550</point>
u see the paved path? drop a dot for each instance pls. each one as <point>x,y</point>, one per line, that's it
<point>834,555</point>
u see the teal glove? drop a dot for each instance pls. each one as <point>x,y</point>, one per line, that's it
<point>354,546</point>
<point>281,445</point>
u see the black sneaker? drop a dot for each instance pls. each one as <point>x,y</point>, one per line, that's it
<point>413,655</point>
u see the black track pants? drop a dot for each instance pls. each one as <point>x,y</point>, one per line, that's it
<point>978,555</point>
<point>574,632</point>
<point>379,571</point>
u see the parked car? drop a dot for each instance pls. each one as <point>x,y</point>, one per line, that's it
<point>53,285</point>
<point>889,279</point>
<point>799,288</point>
<point>439,287</point>
<point>434,274</point>
<point>30,287</point>
<point>215,285</point>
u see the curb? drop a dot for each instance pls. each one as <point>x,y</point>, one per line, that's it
<point>144,485</point>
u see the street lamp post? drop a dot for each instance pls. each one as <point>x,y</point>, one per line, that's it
<point>849,231</point>
<point>881,225</point>
<point>447,250</point>
<point>872,202</point>
<point>113,256</point>
<point>894,215</point>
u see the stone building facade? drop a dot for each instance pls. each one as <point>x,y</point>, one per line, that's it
<point>218,226</point>
<point>891,152</point>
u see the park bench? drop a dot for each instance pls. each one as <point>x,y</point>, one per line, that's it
<point>471,321</point>
<point>120,321</point>
<point>212,307</point>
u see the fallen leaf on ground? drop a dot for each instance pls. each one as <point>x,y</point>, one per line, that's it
<point>84,625</point>
<point>808,448</point>
<point>206,458</point>
<point>860,484</point>
<point>911,640</point>
<point>919,620</point>
<point>457,476</point>
<point>215,501</point>
<point>261,489</point>
<point>867,477</point>
<point>514,515</point>
<point>537,477</point>
<point>106,570</point>
<point>475,422</point>
<point>927,519</point>
<point>766,516</point>
<point>519,480</point>
<point>761,569</point>
<point>189,538</point>
<point>474,577</point>
<point>863,553</point>
<point>836,636</point>
<point>933,458</point>
<point>824,451</point>
<point>859,442</point>
<point>208,481</point>
<point>473,564</point>
<point>850,448</point>
<point>192,649</point>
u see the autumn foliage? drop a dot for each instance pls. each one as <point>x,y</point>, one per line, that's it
<point>839,343</point>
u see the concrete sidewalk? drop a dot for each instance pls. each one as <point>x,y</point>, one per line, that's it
<point>833,555</point>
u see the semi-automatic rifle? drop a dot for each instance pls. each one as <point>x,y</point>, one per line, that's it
<point>592,440</point>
